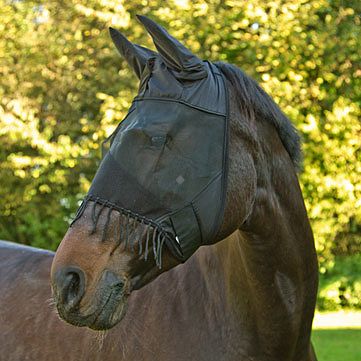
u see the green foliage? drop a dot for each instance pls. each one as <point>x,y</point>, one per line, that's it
<point>340,285</point>
<point>64,89</point>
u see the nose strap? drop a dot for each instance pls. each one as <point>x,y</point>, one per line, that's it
<point>186,227</point>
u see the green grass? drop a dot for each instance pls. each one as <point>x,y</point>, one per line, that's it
<point>337,344</point>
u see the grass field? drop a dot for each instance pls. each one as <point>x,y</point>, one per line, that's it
<point>337,345</point>
<point>337,336</point>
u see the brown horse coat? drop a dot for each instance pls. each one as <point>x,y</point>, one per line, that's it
<point>185,314</point>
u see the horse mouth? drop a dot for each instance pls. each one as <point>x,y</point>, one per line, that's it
<point>109,314</point>
<point>103,316</point>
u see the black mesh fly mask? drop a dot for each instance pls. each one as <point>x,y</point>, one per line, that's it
<point>167,161</point>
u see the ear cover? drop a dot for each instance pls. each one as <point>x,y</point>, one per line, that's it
<point>176,56</point>
<point>135,55</point>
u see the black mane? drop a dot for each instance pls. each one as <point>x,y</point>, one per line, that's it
<point>257,103</point>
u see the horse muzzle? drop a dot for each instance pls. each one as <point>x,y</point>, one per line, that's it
<point>99,309</point>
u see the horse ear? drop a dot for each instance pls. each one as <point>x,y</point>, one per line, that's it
<point>175,55</point>
<point>135,55</point>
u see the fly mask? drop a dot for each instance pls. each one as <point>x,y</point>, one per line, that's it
<point>166,167</point>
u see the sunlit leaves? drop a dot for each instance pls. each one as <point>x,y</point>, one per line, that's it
<point>64,90</point>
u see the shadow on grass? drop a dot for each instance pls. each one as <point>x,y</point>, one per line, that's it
<point>337,344</point>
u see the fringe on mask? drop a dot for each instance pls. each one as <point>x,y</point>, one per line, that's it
<point>129,222</point>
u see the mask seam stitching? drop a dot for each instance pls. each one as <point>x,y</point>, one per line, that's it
<point>139,98</point>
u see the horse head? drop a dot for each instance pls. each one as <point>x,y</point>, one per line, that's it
<point>182,172</point>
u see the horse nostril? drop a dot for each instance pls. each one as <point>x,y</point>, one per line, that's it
<point>73,283</point>
<point>70,286</point>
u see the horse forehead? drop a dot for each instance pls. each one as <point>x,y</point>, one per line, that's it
<point>208,94</point>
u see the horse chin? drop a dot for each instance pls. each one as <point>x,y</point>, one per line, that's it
<point>110,315</point>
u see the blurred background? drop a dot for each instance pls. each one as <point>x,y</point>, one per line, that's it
<point>64,89</point>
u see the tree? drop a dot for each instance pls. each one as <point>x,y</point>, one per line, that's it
<point>64,89</point>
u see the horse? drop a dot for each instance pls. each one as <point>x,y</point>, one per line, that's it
<point>250,294</point>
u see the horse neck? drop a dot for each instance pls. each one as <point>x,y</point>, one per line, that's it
<point>277,235</point>
<point>277,250</point>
